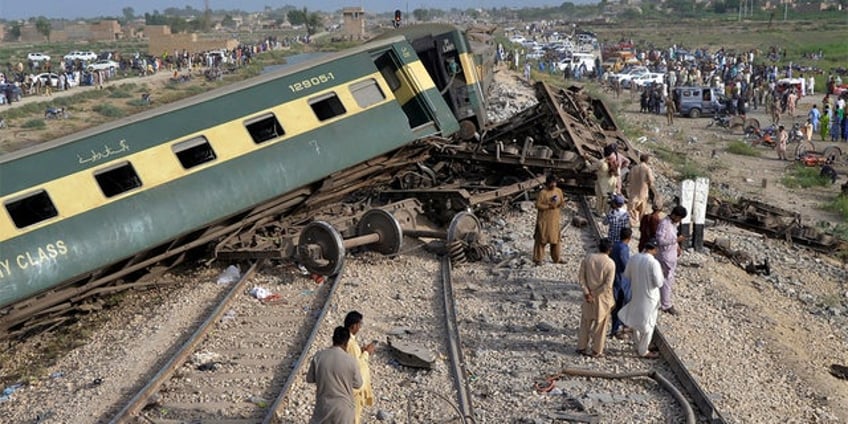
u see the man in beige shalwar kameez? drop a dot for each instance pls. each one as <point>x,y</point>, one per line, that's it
<point>639,183</point>
<point>548,204</point>
<point>363,396</point>
<point>596,277</point>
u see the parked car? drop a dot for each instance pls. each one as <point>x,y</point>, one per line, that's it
<point>17,93</point>
<point>48,78</point>
<point>38,57</point>
<point>646,79</point>
<point>697,101</point>
<point>81,55</point>
<point>103,65</point>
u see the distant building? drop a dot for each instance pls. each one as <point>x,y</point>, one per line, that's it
<point>353,23</point>
<point>161,40</point>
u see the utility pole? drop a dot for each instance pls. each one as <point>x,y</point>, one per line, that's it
<point>785,9</point>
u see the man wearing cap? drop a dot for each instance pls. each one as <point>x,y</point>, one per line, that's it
<point>640,314</point>
<point>617,218</point>
<point>668,249</point>
<point>548,203</point>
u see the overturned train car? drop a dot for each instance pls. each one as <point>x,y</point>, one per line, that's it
<point>77,205</point>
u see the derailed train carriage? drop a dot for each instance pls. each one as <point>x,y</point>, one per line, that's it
<point>74,207</point>
<point>461,74</point>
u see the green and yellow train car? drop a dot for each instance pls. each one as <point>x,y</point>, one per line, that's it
<point>75,205</point>
<point>458,73</point>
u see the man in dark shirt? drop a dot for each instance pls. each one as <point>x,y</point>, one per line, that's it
<point>648,226</point>
<point>621,285</point>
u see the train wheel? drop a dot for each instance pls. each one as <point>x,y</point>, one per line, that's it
<point>321,248</point>
<point>467,129</point>
<point>832,154</point>
<point>803,148</point>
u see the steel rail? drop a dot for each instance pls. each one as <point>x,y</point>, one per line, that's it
<point>690,383</point>
<point>139,401</point>
<point>295,370</point>
<point>455,343</point>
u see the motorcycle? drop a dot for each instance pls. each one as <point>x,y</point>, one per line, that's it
<point>766,136</point>
<point>55,113</point>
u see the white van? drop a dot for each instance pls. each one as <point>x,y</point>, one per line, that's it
<point>577,60</point>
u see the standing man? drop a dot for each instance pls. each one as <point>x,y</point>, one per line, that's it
<point>639,184</point>
<point>668,245</point>
<point>548,203</point>
<point>363,396</point>
<point>596,277</point>
<point>617,218</point>
<point>670,110</point>
<point>782,140</point>
<point>621,285</point>
<point>648,225</point>
<point>814,116</point>
<point>335,374</point>
<point>640,314</point>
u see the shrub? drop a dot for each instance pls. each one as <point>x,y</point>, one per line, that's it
<point>840,206</point>
<point>742,148</point>
<point>34,124</point>
<point>108,110</point>
<point>804,177</point>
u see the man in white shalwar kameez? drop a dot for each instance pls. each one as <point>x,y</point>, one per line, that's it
<point>640,314</point>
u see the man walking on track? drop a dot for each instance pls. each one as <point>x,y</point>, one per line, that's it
<point>640,314</point>
<point>335,374</point>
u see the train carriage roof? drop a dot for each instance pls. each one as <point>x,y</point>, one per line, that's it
<point>218,92</point>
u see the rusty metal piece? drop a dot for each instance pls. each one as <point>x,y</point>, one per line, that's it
<point>773,222</point>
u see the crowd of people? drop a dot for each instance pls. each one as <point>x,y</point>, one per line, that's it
<point>622,295</point>
<point>44,77</point>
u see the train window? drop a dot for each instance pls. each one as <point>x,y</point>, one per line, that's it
<point>194,152</point>
<point>367,93</point>
<point>388,67</point>
<point>327,106</point>
<point>117,179</point>
<point>264,128</point>
<point>31,209</point>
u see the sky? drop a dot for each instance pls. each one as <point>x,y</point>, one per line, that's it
<point>18,9</point>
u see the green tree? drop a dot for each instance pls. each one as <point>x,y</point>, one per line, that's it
<point>42,25</point>
<point>421,15</point>
<point>15,31</point>
<point>129,14</point>
<point>313,22</point>
<point>297,17</point>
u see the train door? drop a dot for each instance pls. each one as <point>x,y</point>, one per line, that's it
<point>406,91</point>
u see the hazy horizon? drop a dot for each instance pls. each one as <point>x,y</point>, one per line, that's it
<point>85,9</point>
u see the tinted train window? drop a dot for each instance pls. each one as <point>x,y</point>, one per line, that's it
<point>31,209</point>
<point>117,179</point>
<point>367,93</point>
<point>327,106</point>
<point>194,152</point>
<point>388,67</point>
<point>264,128</point>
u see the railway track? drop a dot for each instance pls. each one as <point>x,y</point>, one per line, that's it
<point>693,389</point>
<point>247,346</point>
